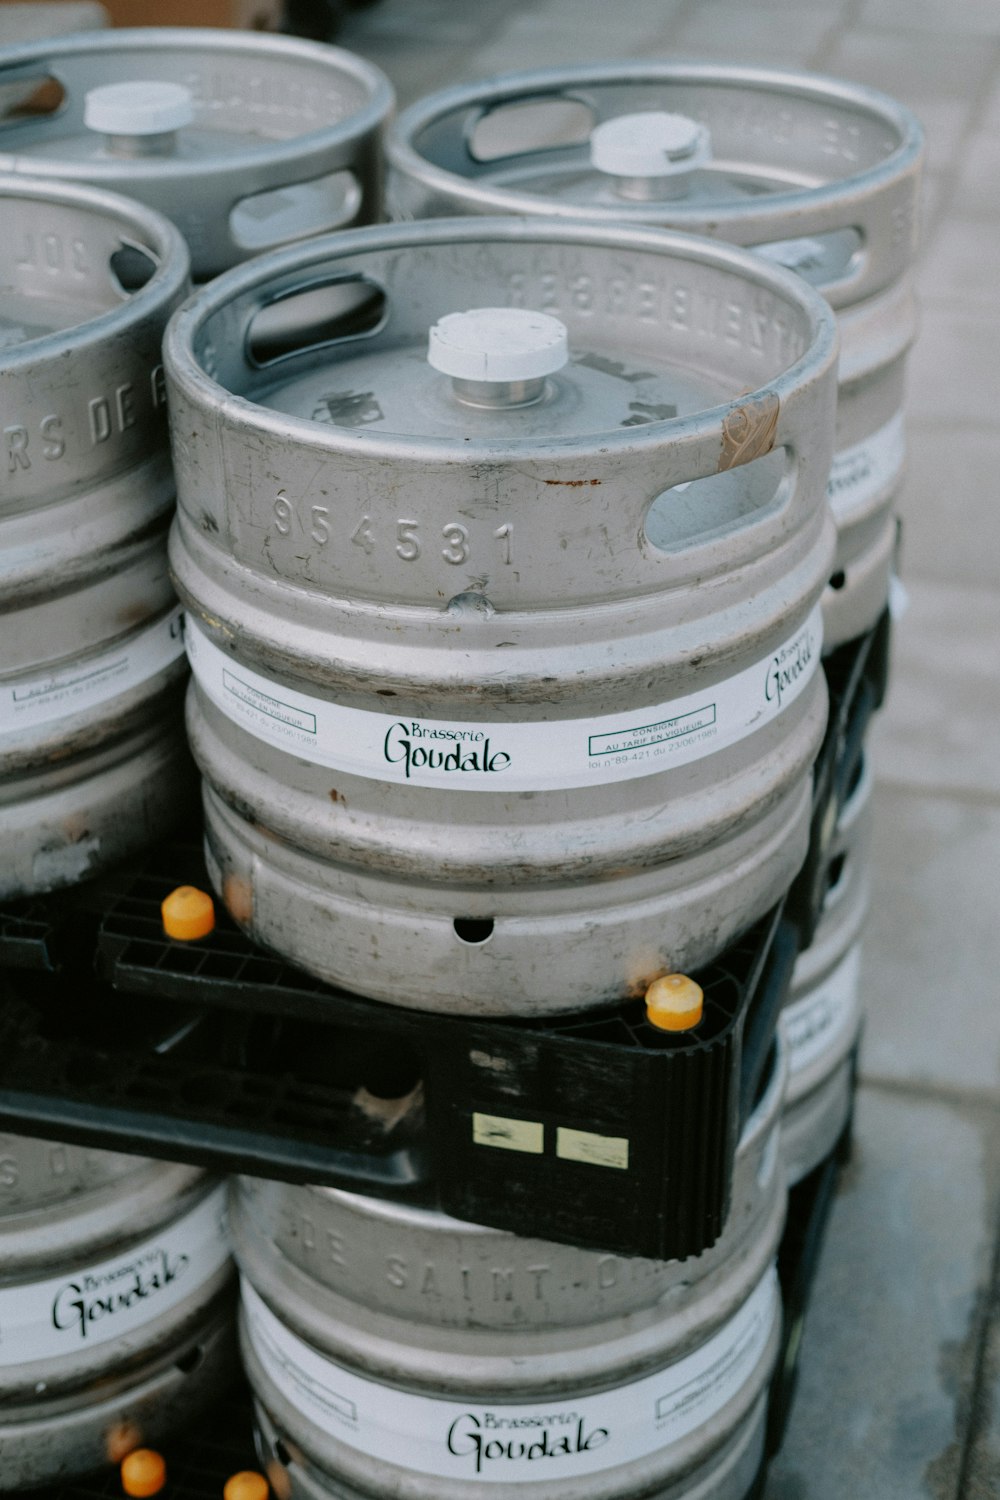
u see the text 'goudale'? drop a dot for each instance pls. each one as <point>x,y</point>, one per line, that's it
<point>90,1297</point>
<point>788,665</point>
<point>470,750</point>
<point>487,1438</point>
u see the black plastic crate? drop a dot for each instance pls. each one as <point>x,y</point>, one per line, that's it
<point>595,1129</point>
<point>857,676</point>
<point>810,1204</point>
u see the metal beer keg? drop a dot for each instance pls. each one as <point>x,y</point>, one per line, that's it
<point>244,141</point>
<point>492,669</point>
<point>822,1019</point>
<point>92,755</point>
<point>396,1351</point>
<point>115,1308</point>
<point>816,173</point>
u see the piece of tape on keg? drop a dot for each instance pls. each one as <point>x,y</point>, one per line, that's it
<point>508,757</point>
<point>507,1443</point>
<point>821,1020</point>
<point>58,695</point>
<point>116,1297</point>
<point>865,469</point>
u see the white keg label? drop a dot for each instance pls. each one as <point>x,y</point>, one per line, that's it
<point>823,1019</point>
<point>58,695</point>
<point>861,471</point>
<point>112,1299</point>
<point>466,755</point>
<point>500,1443</point>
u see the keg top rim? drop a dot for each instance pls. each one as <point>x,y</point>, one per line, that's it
<point>158,234</point>
<point>208,43</point>
<point>251,280</point>
<point>511,87</point>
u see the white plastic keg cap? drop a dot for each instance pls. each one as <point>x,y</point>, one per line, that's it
<point>139,107</point>
<point>498,343</point>
<point>654,144</point>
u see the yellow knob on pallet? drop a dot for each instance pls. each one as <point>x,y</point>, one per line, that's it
<point>246,1485</point>
<point>144,1473</point>
<point>188,914</point>
<point>674,1003</point>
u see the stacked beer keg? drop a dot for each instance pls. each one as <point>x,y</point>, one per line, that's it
<point>115,1305</point>
<point>517,551</point>
<point>816,174</point>
<point>116,1315</point>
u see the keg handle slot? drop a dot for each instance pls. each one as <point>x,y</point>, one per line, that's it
<point>132,266</point>
<point>715,506</point>
<point>309,318</point>
<point>296,210</point>
<point>526,125</point>
<point>809,256</point>
<point>26,94</point>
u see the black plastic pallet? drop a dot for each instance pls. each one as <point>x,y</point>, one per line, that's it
<point>595,1129</point>
<point>810,1204</point>
<point>220,1054</point>
<point>857,676</point>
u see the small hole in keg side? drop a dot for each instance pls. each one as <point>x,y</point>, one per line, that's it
<point>313,317</point>
<point>473,930</point>
<point>190,1361</point>
<point>526,125</point>
<point>838,579</point>
<point>30,99</point>
<point>132,266</point>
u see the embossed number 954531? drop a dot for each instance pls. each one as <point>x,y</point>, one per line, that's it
<point>405,537</point>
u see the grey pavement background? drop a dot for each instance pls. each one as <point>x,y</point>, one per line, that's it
<point>899,1392</point>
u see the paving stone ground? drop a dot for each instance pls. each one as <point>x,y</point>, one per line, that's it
<point>899,1395</point>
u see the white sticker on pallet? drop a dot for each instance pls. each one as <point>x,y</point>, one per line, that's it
<point>502,1443</point>
<point>467,755</point>
<point>862,471</point>
<point>118,1296</point>
<point>58,695</point>
<point>824,1019</point>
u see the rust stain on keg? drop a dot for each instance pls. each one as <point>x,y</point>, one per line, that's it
<point>749,430</point>
<point>237,894</point>
<point>336,796</point>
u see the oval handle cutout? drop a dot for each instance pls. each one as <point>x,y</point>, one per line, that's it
<point>313,317</point>
<point>30,99</point>
<point>296,211</point>
<point>530,125</point>
<point>719,505</point>
<point>132,266</point>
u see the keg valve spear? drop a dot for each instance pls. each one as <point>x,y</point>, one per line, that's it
<point>498,357</point>
<point>651,156</point>
<point>139,118</point>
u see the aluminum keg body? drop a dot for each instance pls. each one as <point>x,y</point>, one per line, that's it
<point>115,1297</point>
<point>92,755</point>
<point>500,580</point>
<point>820,175</point>
<point>285,139</point>
<point>421,1308</point>
<point>824,1014</point>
